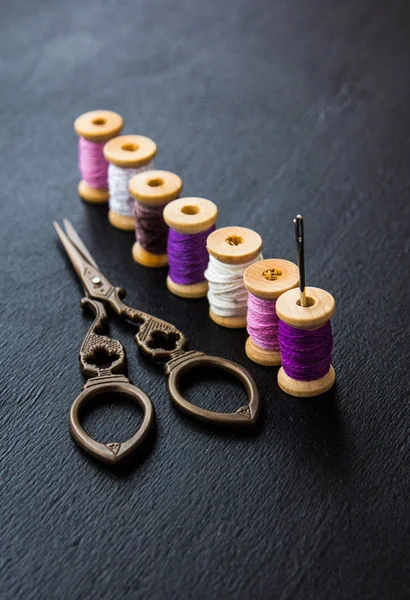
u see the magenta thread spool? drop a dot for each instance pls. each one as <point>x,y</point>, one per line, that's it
<point>190,221</point>
<point>94,129</point>
<point>306,342</point>
<point>265,281</point>
<point>152,191</point>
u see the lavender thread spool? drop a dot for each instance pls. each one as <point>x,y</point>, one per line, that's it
<point>306,342</point>
<point>190,221</point>
<point>265,281</point>
<point>152,191</point>
<point>94,129</point>
<point>127,155</point>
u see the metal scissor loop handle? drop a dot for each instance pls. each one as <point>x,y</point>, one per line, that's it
<point>113,452</point>
<point>103,359</point>
<point>158,339</point>
<point>176,368</point>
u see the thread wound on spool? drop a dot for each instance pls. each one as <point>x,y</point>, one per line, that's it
<point>188,257</point>
<point>152,191</point>
<point>263,323</point>
<point>227,294</point>
<point>306,354</point>
<point>92,164</point>
<point>127,155</point>
<point>151,231</point>
<point>121,201</point>
<point>94,129</point>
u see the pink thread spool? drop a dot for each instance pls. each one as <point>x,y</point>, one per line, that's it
<point>301,322</point>
<point>94,129</point>
<point>265,281</point>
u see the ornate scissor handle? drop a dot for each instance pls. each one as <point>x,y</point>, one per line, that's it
<point>102,358</point>
<point>163,342</point>
<point>113,452</point>
<point>183,362</point>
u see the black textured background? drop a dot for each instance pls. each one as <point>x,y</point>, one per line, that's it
<point>269,108</point>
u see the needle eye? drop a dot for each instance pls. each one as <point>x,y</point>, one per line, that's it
<point>300,247</point>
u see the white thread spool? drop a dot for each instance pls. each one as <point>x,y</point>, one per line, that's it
<point>231,250</point>
<point>127,155</point>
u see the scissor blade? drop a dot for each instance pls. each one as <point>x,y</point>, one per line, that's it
<point>78,261</point>
<point>77,241</point>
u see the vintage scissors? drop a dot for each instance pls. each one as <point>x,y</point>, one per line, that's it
<point>103,359</point>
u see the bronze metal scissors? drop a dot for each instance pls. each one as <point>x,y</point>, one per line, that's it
<point>102,359</point>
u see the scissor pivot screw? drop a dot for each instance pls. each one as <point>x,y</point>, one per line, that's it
<point>96,281</point>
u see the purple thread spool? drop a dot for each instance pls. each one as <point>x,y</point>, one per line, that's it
<point>306,342</point>
<point>265,281</point>
<point>190,221</point>
<point>94,129</point>
<point>152,191</point>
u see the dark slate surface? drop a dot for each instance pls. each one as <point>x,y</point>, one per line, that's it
<point>267,108</point>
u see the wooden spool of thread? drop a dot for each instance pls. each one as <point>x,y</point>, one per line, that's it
<point>152,191</point>
<point>265,281</point>
<point>94,129</point>
<point>231,250</point>
<point>127,155</point>
<point>305,339</point>
<point>190,221</point>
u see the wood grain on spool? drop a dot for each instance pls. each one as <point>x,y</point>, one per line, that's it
<point>306,389</point>
<point>270,278</point>
<point>191,215</point>
<point>123,222</point>
<point>234,245</point>
<point>92,195</point>
<point>192,291</point>
<point>230,322</point>
<point>266,358</point>
<point>98,125</point>
<point>321,307</point>
<point>130,151</point>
